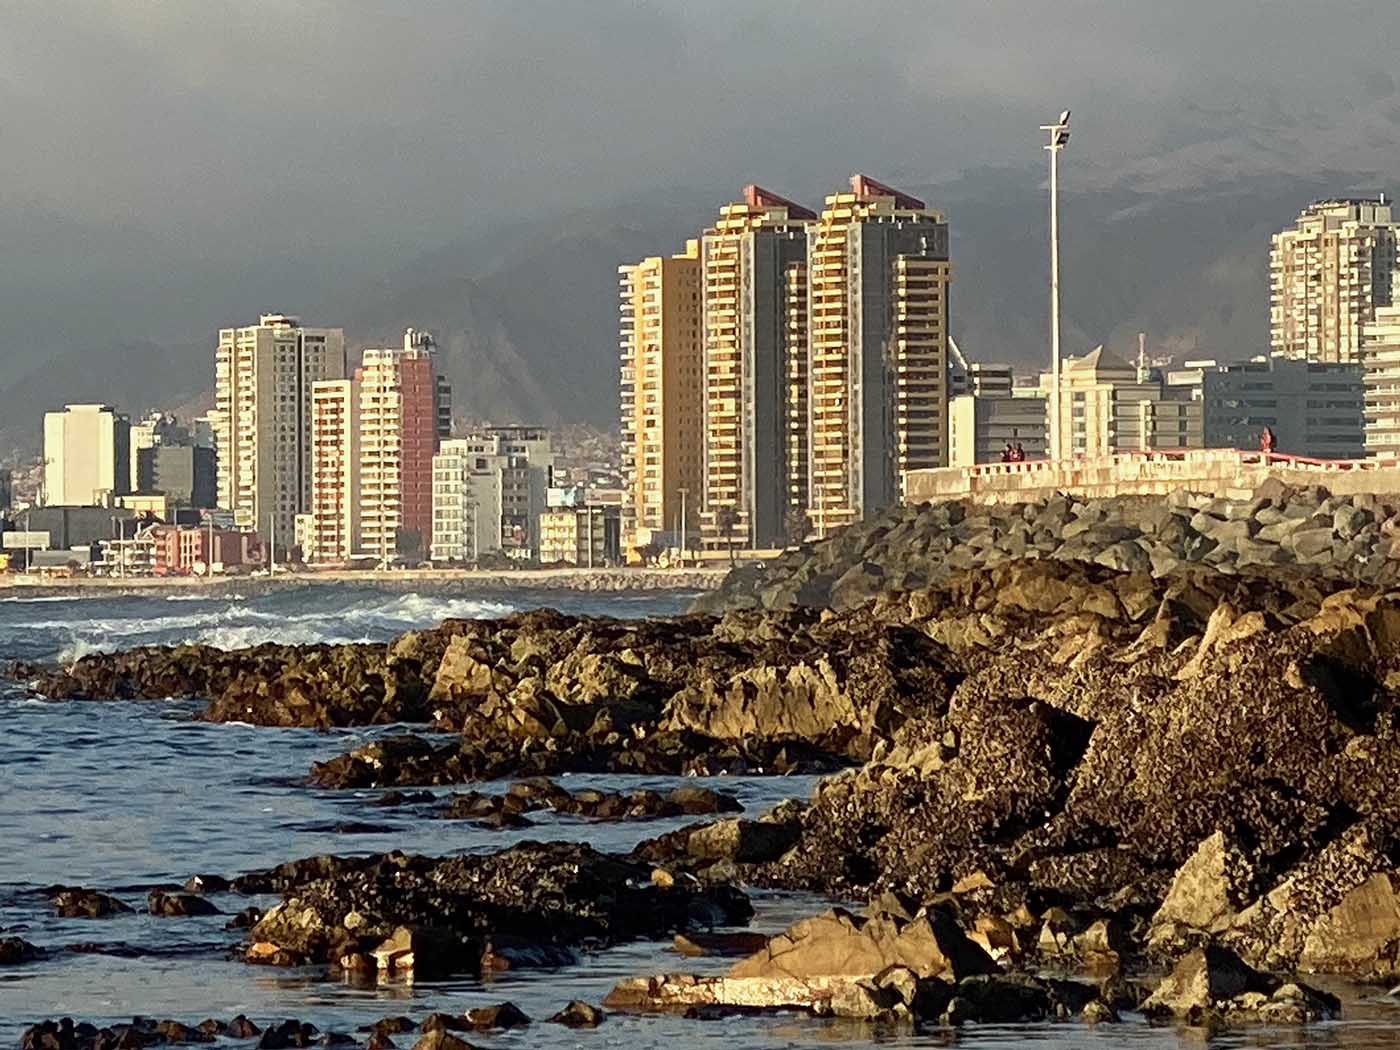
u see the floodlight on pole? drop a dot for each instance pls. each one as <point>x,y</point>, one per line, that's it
<point>1059,137</point>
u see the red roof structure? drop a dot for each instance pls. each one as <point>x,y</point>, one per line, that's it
<point>758,197</point>
<point>866,187</point>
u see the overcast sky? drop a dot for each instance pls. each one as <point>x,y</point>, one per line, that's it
<point>331,121</point>
<point>165,164</point>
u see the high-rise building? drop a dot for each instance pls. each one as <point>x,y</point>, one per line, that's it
<point>87,458</point>
<point>1314,409</point>
<point>663,396</point>
<point>401,422</point>
<point>877,349</point>
<point>1328,275</point>
<point>489,490</point>
<point>7,492</point>
<point>185,474</point>
<point>1107,407</point>
<point>330,529</point>
<point>1380,360</point>
<point>264,375</point>
<point>753,257</point>
<point>158,428</point>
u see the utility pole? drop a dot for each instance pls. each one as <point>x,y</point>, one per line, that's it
<point>1059,135</point>
<point>683,493</point>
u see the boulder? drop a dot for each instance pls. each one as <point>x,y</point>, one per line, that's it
<point>1207,892</point>
<point>839,943</point>
<point>14,951</point>
<point>502,1015</point>
<point>578,1014</point>
<point>77,903</point>
<point>179,905</point>
<point>742,841</point>
<point>1360,935</point>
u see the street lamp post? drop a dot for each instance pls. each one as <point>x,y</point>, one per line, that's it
<point>1059,136</point>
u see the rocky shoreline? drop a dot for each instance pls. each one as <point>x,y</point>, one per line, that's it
<point>1153,755</point>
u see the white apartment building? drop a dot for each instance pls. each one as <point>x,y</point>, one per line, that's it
<point>1328,275</point>
<point>87,458</point>
<point>466,504</point>
<point>1380,359</point>
<point>330,530</point>
<point>263,381</point>
<point>489,490</point>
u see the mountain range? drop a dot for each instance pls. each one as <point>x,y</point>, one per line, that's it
<point>526,311</point>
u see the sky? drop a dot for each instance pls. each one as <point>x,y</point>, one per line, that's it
<point>173,144</point>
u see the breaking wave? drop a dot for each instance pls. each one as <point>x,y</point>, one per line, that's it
<point>321,615</point>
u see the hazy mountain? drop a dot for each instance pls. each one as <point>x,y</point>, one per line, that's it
<point>526,312</point>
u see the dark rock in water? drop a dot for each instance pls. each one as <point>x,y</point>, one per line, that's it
<point>403,798</point>
<point>337,1039</point>
<point>212,1026</point>
<point>242,1028</point>
<point>297,873</point>
<point>441,1039</point>
<point>507,811</point>
<point>379,1041</point>
<point>502,1015</point>
<point>245,919</point>
<point>502,954</point>
<point>206,884</point>
<point>1213,983</point>
<point>71,902</point>
<point>14,951</point>
<point>578,1014</point>
<point>391,1026</point>
<point>288,1034</point>
<point>440,1022</point>
<point>141,1032</point>
<point>705,944</point>
<point>431,916</point>
<point>179,905</point>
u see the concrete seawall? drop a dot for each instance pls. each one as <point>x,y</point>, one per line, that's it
<point>418,581</point>
<point>1217,472</point>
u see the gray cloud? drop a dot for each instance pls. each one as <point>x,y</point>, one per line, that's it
<point>162,146</point>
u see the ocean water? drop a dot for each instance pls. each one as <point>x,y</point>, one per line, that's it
<point>124,797</point>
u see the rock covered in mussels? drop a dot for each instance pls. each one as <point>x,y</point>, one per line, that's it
<point>399,913</point>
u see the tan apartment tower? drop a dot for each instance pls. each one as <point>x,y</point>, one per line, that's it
<point>263,378</point>
<point>755,263</point>
<point>331,530</point>
<point>1328,275</point>
<point>662,397</point>
<point>877,350</point>
<point>402,419</point>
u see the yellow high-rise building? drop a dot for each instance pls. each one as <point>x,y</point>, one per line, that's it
<point>877,350</point>
<point>662,397</point>
<point>755,260</point>
<point>1328,275</point>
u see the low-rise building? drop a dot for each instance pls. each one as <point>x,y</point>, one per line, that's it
<point>489,490</point>
<point>1107,407</point>
<point>1313,408</point>
<point>182,551</point>
<point>588,536</point>
<point>981,426</point>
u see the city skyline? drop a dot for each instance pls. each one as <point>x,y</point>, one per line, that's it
<point>1187,113</point>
